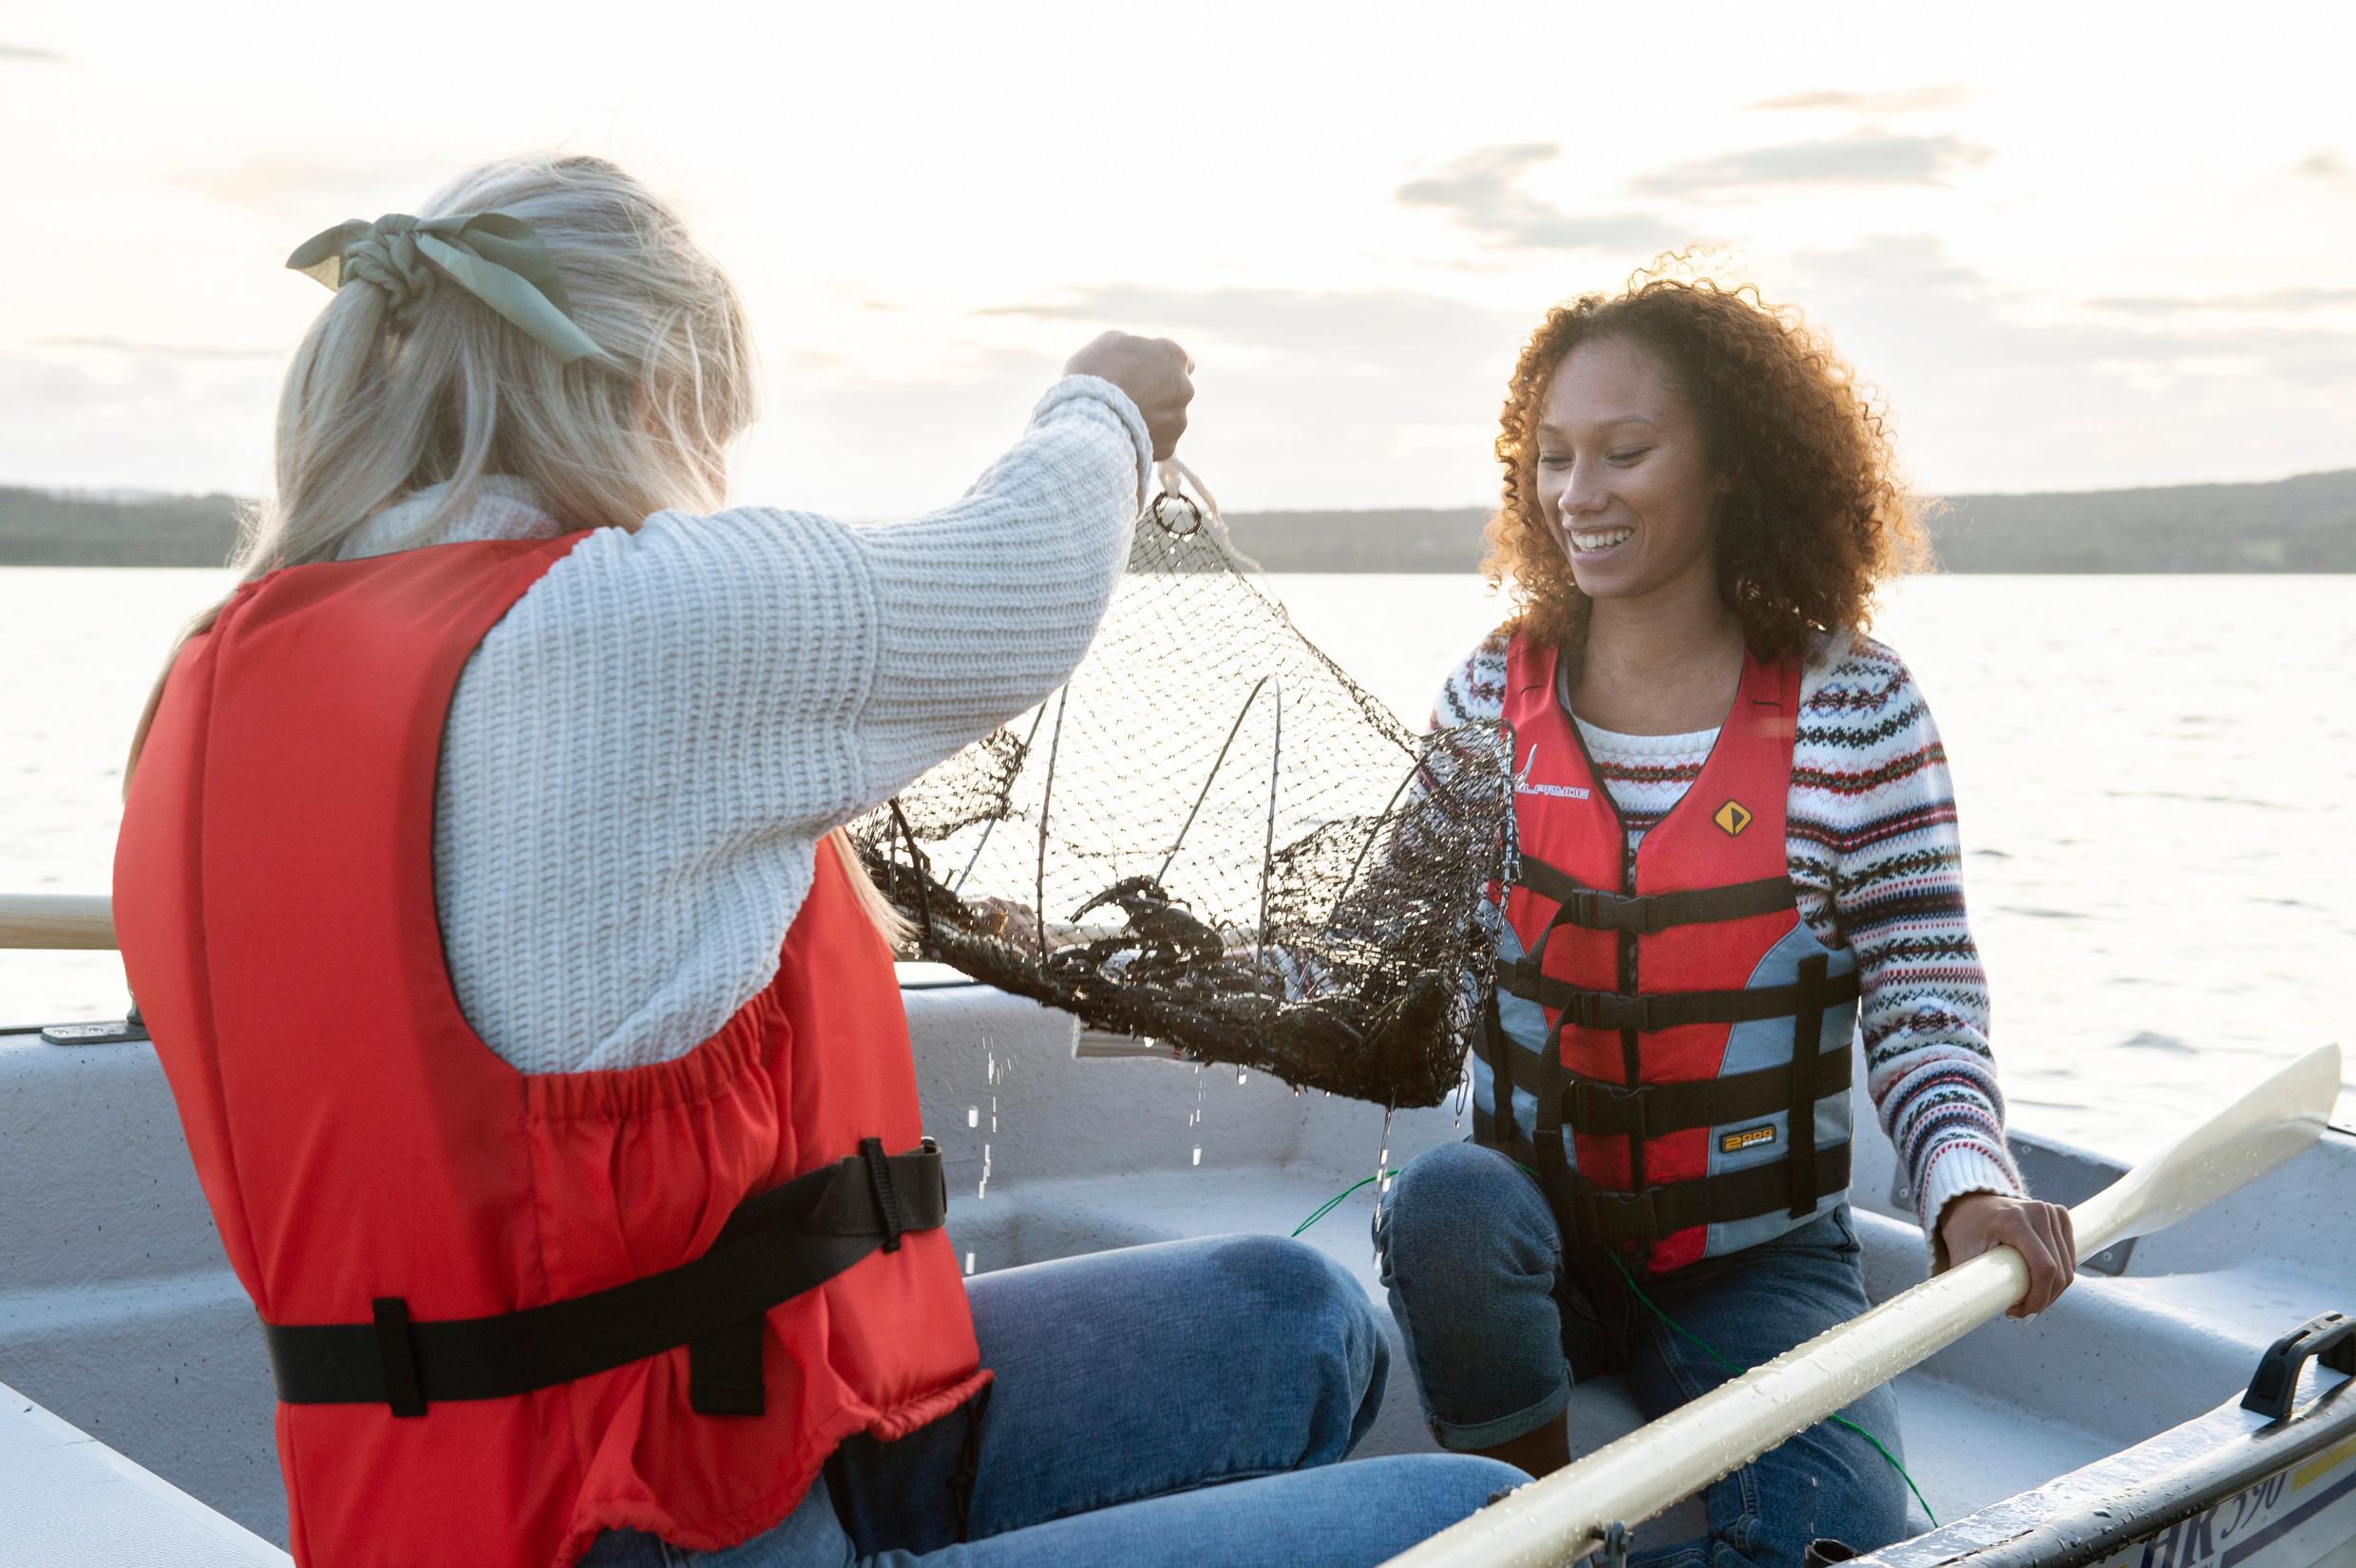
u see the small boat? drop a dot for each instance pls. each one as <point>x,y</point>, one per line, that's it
<point>2187,1405</point>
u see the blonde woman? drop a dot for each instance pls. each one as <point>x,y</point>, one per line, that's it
<point>530,1025</point>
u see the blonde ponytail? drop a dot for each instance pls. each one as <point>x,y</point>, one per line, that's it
<point>379,401</point>
<point>374,407</point>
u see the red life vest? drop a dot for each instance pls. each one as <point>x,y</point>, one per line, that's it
<point>1662,1023</point>
<point>438,1244</point>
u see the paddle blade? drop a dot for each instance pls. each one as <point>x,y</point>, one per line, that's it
<point>2276,1120</point>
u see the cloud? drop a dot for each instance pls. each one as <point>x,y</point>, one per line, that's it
<point>1482,189</point>
<point>23,55</point>
<point>1910,101</point>
<point>1908,298</point>
<point>2327,165</point>
<point>1862,157</point>
<point>273,182</point>
<point>1381,396</point>
<point>1362,330</point>
<point>1479,191</point>
<point>2268,301</point>
<point>1995,386</point>
<point>157,350</point>
<point>120,421</point>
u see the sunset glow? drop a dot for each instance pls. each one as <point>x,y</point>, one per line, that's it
<point>2075,248</point>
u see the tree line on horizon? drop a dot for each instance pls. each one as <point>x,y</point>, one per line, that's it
<point>2306,524</point>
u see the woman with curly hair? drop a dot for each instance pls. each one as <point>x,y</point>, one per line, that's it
<point>1735,848</point>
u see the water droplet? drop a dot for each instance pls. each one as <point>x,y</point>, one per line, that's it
<point>973,1115</point>
<point>969,1262</point>
<point>1198,1154</point>
<point>1239,1078</point>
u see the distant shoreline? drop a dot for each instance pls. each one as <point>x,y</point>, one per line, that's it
<point>2303,524</point>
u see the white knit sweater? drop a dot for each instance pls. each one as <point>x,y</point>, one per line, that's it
<point>640,757</point>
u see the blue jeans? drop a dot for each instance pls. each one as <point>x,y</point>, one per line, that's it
<point>1500,1319</point>
<point>1177,1404</point>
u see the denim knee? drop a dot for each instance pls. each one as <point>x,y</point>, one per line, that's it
<point>1309,1314</point>
<point>1315,1291</point>
<point>1446,1204</point>
<point>1471,1255</point>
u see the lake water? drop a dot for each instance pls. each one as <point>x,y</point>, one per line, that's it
<point>2156,778</point>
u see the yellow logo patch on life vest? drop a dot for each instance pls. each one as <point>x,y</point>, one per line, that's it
<point>1734,817</point>
<point>1735,1142</point>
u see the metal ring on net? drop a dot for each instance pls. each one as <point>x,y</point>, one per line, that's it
<point>1161,519</point>
<point>1177,478</point>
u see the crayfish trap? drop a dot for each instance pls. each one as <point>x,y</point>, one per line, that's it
<point>1213,837</point>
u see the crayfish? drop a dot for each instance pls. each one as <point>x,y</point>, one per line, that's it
<point>1163,939</point>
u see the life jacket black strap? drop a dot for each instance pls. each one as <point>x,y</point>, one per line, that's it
<point>1609,1010</point>
<point>1593,1105</point>
<point>1493,1123</point>
<point>1649,913</point>
<point>776,1245</point>
<point>1805,1075</point>
<point>1598,1215</point>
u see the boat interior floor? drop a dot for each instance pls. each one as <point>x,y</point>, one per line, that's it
<point>118,1312</point>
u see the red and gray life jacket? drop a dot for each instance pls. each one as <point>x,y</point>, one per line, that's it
<point>505,1311</point>
<point>1664,1023</point>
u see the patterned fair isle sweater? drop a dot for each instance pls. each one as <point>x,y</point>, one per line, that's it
<point>1872,844</point>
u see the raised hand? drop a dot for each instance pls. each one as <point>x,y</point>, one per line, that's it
<point>1153,371</point>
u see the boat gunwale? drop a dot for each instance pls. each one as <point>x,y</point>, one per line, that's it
<point>2141,1491</point>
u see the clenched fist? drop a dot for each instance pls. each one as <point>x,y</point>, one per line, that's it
<point>1153,371</point>
<point>2040,1232</point>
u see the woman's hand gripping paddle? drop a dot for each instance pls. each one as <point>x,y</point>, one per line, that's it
<point>1564,1517</point>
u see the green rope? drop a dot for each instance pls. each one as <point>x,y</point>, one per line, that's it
<point>1711,1350</point>
<point>1331,1204</point>
<point>1707,1349</point>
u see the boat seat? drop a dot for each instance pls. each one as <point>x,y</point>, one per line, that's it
<point>1042,1219</point>
<point>71,1501</point>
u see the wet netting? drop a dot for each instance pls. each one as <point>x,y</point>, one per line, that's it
<point>1212,838</point>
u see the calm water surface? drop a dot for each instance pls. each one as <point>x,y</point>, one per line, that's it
<point>2156,778</point>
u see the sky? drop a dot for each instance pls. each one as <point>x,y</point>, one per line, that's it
<point>2070,247</point>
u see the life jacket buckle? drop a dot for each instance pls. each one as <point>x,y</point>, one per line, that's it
<point>929,1145</point>
<point>880,1183</point>
<point>1609,1010</point>
<point>396,1355</point>
<point>1605,1110</point>
<point>1625,1216</point>
<point>1593,909</point>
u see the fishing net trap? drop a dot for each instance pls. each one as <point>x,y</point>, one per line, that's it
<point>1210,837</point>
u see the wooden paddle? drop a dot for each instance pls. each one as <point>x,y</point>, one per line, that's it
<point>1563,1517</point>
<point>55,920</point>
